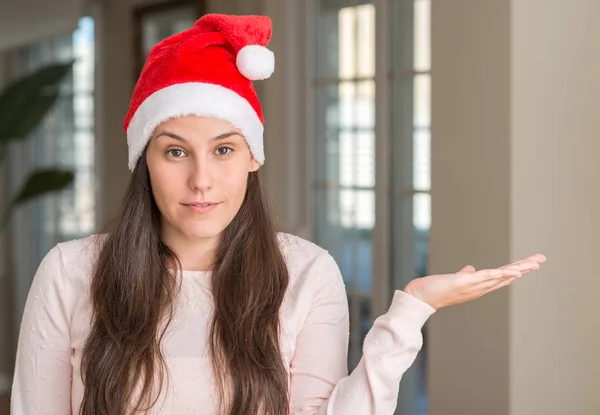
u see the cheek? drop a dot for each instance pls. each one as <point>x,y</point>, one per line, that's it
<point>164,188</point>
<point>234,184</point>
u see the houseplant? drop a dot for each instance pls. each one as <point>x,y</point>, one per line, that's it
<point>23,105</point>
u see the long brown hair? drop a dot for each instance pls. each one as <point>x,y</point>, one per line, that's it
<point>133,296</point>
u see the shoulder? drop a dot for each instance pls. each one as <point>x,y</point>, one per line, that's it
<point>299,251</point>
<point>307,260</point>
<point>74,259</point>
<point>81,250</point>
<point>63,276</point>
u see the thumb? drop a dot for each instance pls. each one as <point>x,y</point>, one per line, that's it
<point>468,268</point>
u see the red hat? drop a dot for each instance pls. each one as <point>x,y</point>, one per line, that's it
<point>208,71</point>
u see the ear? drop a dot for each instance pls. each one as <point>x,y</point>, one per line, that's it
<point>254,165</point>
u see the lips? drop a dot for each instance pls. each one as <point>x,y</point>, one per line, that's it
<point>201,207</point>
<point>203,204</point>
<point>200,204</point>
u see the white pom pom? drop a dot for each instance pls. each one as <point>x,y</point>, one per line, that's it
<point>255,62</point>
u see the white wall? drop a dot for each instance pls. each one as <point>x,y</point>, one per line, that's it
<point>468,345</point>
<point>515,165</point>
<point>555,329</point>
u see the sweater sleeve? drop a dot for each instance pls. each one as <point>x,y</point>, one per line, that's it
<point>42,378</point>
<point>319,381</point>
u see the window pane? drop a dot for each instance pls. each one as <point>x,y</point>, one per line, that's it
<point>347,105</point>
<point>357,208</point>
<point>365,105</point>
<point>365,28</point>
<point>422,35</point>
<point>357,41</point>
<point>83,49</point>
<point>84,111</point>
<point>84,151</point>
<point>411,136</point>
<point>422,211</point>
<point>345,146</point>
<point>329,232</point>
<point>402,132</point>
<point>347,46</point>
<point>422,159</point>
<point>326,143</point>
<point>357,137</point>
<point>357,164</point>
<point>344,222</point>
<point>422,101</point>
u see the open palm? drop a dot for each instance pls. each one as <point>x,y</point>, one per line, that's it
<point>444,290</point>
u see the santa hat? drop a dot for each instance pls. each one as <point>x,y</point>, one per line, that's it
<point>208,71</point>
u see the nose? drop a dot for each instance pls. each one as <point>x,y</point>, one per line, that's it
<point>201,176</point>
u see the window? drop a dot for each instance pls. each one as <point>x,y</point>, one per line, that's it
<point>344,182</point>
<point>66,139</point>
<point>360,136</point>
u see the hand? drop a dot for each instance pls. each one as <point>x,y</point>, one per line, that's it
<point>468,284</point>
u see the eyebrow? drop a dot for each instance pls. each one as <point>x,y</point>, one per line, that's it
<point>219,137</point>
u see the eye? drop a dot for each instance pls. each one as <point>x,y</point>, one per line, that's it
<point>175,153</point>
<point>223,150</point>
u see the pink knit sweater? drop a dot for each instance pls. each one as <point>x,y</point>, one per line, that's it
<point>314,339</point>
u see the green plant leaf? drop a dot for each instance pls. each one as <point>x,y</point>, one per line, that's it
<point>43,181</point>
<point>25,101</point>
<point>31,118</point>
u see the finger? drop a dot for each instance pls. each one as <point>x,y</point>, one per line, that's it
<point>489,285</point>
<point>499,285</point>
<point>521,262</point>
<point>523,266</point>
<point>526,268</point>
<point>514,264</point>
<point>495,274</point>
<point>539,258</point>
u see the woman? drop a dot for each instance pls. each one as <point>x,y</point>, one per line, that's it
<point>193,302</point>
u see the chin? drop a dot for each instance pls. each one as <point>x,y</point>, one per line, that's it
<point>204,232</point>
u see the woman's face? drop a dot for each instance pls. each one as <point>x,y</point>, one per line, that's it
<point>198,172</point>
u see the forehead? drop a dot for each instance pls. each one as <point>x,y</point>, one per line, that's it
<point>192,126</point>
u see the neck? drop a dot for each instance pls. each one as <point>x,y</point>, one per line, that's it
<point>194,254</point>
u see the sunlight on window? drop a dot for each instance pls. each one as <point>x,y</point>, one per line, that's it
<point>422,33</point>
<point>357,115</point>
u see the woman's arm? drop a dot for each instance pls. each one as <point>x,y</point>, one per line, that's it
<point>319,384</point>
<point>42,379</point>
<point>319,381</point>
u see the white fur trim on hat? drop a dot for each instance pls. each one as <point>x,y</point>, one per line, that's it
<point>194,98</point>
<point>255,62</point>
